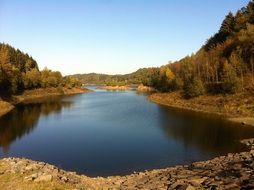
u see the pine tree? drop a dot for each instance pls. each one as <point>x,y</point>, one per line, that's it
<point>227,26</point>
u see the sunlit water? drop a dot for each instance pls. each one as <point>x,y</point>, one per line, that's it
<point>114,133</point>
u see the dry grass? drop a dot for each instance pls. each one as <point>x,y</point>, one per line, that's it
<point>15,181</point>
<point>5,107</point>
<point>238,105</point>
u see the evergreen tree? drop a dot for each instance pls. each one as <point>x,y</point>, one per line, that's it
<point>227,26</point>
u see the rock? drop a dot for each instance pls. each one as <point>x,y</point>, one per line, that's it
<point>198,180</point>
<point>64,179</point>
<point>31,177</point>
<point>232,186</point>
<point>44,178</point>
<point>118,183</point>
<point>185,187</point>
<point>233,171</point>
<point>32,167</point>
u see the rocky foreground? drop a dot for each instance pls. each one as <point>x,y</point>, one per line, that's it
<point>233,171</point>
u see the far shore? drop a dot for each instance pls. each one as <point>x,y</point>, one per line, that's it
<point>235,108</point>
<point>139,88</point>
<point>7,105</point>
<point>114,87</point>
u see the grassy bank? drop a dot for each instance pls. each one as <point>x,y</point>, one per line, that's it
<point>8,104</point>
<point>237,107</point>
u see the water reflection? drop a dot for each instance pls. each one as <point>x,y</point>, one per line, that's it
<point>24,118</point>
<point>208,132</point>
<point>114,133</point>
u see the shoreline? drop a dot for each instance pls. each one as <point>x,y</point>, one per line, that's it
<point>232,171</point>
<point>115,88</point>
<point>29,95</point>
<point>222,106</point>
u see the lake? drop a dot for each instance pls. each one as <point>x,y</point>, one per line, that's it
<point>105,133</point>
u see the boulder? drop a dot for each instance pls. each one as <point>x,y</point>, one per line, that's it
<point>44,178</point>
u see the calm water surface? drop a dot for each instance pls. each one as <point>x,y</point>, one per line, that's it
<point>114,133</point>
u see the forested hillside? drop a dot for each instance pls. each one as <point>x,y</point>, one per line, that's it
<point>19,71</point>
<point>225,64</point>
<point>140,76</point>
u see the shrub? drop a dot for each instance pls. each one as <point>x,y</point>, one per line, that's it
<point>194,88</point>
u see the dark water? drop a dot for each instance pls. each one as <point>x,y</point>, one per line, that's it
<point>114,133</point>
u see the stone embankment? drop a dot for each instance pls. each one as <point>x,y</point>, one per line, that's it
<point>233,171</point>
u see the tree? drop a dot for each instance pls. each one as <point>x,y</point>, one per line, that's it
<point>44,77</point>
<point>166,77</point>
<point>6,71</point>
<point>238,64</point>
<point>71,82</point>
<point>32,79</point>
<point>57,77</point>
<point>250,12</point>
<point>30,64</point>
<point>246,37</point>
<point>50,78</point>
<point>227,25</point>
<point>170,75</point>
<point>240,20</point>
<point>177,83</point>
<point>194,88</point>
<point>231,82</point>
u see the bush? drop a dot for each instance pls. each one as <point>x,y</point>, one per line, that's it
<point>177,83</point>
<point>231,85</point>
<point>32,79</point>
<point>194,88</point>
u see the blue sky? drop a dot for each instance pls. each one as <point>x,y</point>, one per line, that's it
<point>110,36</point>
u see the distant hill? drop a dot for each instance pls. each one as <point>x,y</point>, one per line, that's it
<point>224,64</point>
<point>137,77</point>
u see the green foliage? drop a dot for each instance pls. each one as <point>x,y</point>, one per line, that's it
<point>193,88</point>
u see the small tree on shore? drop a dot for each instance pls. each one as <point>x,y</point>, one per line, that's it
<point>193,87</point>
